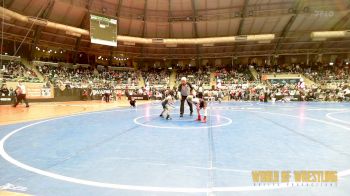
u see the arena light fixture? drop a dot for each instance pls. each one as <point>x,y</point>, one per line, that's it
<point>264,42</point>
<point>157,40</point>
<point>171,45</point>
<point>5,17</point>
<point>241,38</point>
<point>42,22</point>
<point>318,39</point>
<point>139,40</point>
<point>73,34</point>
<point>330,34</point>
<point>130,43</point>
<point>208,40</point>
<point>37,21</point>
<point>261,37</point>
<point>208,45</point>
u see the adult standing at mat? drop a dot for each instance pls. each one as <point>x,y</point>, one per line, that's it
<point>184,90</point>
<point>21,92</point>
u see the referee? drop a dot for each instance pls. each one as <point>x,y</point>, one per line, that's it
<point>185,89</point>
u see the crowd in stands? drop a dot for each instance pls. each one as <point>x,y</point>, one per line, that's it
<point>230,76</point>
<point>318,72</point>
<point>285,93</point>
<point>332,82</point>
<point>14,71</point>
<point>312,93</point>
<point>237,82</point>
<point>82,77</point>
<point>195,76</point>
<point>156,77</point>
<point>283,68</point>
<point>50,59</point>
<point>330,73</point>
<point>5,91</point>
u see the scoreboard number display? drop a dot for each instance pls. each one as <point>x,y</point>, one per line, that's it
<point>103,30</point>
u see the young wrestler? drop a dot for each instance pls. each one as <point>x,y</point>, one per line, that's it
<point>167,104</point>
<point>132,102</point>
<point>200,103</point>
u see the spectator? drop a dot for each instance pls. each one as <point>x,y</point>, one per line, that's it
<point>4,91</point>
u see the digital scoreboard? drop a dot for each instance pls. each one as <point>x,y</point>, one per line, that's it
<point>103,30</point>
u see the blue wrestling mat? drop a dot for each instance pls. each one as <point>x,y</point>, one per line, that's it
<point>135,152</point>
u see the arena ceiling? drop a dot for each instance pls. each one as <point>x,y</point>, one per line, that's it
<point>291,21</point>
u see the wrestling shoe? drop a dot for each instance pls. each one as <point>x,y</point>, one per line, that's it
<point>168,117</point>
<point>161,116</point>
<point>181,115</point>
<point>204,119</point>
<point>199,118</point>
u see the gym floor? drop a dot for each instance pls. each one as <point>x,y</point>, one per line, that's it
<point>107,149</point>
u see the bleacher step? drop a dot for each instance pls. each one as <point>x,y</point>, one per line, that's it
<point>30,66</point>
<point>172,79</point>
<point>253,72</point>
<point>141,80</point>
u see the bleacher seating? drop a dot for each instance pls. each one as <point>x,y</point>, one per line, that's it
<point>13,71</point>
<point>81,77</point>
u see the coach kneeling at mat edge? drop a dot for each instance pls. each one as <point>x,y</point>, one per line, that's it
<point>185,89</point>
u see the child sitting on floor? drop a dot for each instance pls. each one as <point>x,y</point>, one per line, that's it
<point>132,102</point>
